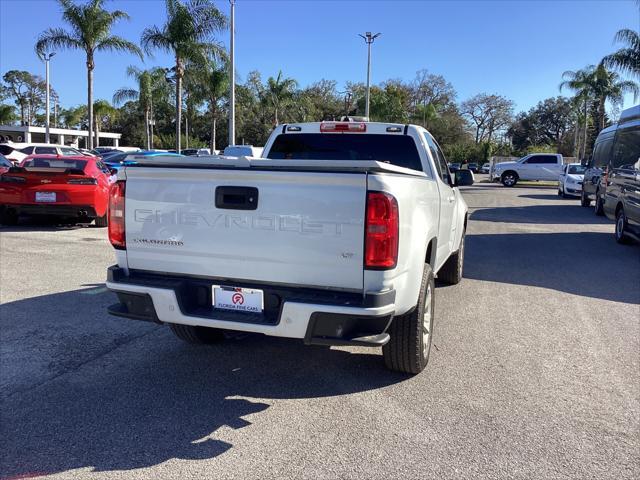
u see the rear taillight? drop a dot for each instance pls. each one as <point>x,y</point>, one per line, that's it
<point>116,215</point>
<point>381,234</point>
<point>343,127</point>
<point>82,181</point>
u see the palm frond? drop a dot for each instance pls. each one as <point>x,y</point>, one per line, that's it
<point>123,94</point>
<point>57,38</point>
<point>119,44</point>
<point>155,39</point>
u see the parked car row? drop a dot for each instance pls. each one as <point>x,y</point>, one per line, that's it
<point>612,175</point>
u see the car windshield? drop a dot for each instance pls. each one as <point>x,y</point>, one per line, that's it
<point>576,170</point>
<point>44,162</point>
<point>398,150</point>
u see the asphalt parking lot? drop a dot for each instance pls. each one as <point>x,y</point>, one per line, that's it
<point>535,371</point>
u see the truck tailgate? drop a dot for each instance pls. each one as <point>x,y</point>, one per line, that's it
<point>307,228</point>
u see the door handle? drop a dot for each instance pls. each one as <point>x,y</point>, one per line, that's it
<point>451,199</point>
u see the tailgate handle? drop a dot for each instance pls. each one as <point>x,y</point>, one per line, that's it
<point>237,198</point>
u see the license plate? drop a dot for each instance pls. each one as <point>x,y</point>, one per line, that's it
<point>239,299</point>
<point>45,196</point>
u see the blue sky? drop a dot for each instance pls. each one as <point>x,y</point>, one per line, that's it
<point>518,49</point>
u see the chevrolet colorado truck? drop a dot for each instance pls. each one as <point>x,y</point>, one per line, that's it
<point>536,167</point>
<point>333,238</point>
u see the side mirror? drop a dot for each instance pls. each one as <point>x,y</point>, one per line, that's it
<point>113,171</point>
<point>463,178</point>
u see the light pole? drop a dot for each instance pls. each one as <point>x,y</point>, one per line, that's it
<point>232,79</point>
<point>368,38</point>
<point>46,59</point>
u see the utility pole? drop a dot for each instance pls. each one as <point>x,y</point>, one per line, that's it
<point>47,58</point>
<point>368,38</point>
<point>232,74</point>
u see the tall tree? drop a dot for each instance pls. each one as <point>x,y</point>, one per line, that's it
<point>211,82</point>
<point>28,91</point>
<point>149,83</point>
<point>626,59</point>
<point>90,32</point>
<point>279,92</point>
<point>187,35</point>
<point>581,83</point>
<point>608,87</point>
<point>103,114</point>
<point>489,114</point>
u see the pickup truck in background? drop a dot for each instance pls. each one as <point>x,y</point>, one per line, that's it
<point>334,238</point>
<point>536,166</point>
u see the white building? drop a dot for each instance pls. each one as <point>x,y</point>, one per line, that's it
<point>60,136</point>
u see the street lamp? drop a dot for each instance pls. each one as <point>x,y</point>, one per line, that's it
<point>368,38</point>
<point>232,79</point>
<point>46,59</point>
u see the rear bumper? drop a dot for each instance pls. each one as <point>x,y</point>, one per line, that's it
<point>79,211</point>
<point>315,316</point>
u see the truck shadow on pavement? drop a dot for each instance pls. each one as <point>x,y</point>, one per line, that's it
<point>541,214</point>
<point>77,394</point>
<point>583,263</point>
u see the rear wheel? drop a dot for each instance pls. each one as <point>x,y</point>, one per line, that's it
<point>598,208</point>
<point>411,334</point>
<point>197,335</point>
<point>584,199</point>
<point>101,221</point>
<point>621,227</point>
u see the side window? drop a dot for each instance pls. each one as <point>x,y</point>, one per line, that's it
<point>602,153</point>
<point>46,151</point>
<point>438,159</point>
<point>540,159</point>
<point>68,152</point>
<point>27,150</point>
<point>626,153</point>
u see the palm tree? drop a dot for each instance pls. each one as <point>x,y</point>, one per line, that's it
<point>91,32</point>
<point>149,82</point>
<point>211,82</point>
<point>581,82</point>
<point>279,92</point>
<point>102,112</point>
<point>607,86</point>
<point>185,34</point>
<point>627,59</point>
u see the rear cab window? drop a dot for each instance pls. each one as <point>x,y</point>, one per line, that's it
<point>399,150</point>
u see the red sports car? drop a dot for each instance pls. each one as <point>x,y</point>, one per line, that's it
<point>72,188</point>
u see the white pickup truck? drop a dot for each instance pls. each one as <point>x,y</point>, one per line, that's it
<point>334,238</point>
<point>536,166</point>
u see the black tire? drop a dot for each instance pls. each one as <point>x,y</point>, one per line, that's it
<point>197,335</point>
<point>8,217</point>
<point>509,179</point>
<point>584,200</point>
<point>559,192</point>
<point>409,347</point>
<point>451,271</point>
<point>101,221</point>
<point>598,207</point>
<point>621,227</point>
